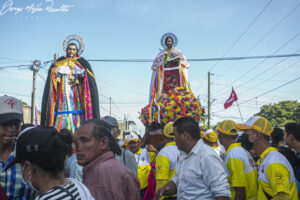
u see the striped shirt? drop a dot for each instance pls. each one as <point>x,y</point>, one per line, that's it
<point>11,181</point>
<point>66,192</point>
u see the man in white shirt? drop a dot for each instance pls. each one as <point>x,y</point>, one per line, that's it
<point>200,172</point>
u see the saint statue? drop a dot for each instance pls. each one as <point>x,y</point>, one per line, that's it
<point>70,94</point>
<point>169,69</point>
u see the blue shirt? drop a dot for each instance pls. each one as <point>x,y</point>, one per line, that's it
<point>11,181</point>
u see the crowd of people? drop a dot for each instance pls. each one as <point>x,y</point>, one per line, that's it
<point>189,162</point>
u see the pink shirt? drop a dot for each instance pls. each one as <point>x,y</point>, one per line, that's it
<point>107,178</point>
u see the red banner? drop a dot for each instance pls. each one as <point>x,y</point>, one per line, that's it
<point>232,98</point>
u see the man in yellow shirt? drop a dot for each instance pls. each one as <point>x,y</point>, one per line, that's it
<point>210,138</point>
<point>276,179</point>
<point>166,160</point>
<point>239,164</point>
<point>143,159</point>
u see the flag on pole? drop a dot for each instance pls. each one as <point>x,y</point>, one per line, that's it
<point>232,98</point>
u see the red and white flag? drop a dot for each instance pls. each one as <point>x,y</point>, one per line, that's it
<point>232,98</point>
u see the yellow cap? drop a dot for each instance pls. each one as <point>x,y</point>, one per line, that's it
<point>201,133</point>
<point>257,123</point>
<point>227,127</point>
<point>168,130</point>
<point>210,135</point>
<point>132,137</point>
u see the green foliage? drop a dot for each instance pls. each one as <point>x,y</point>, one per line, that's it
<point>24,104</point>
<point>281,113</point>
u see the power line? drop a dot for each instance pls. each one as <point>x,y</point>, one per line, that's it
<point>246,73</point>
<point>117,107</point>
<point>14,66</point>
<point>272,89</point>
<point>244,32</point>
<point>264,93</point>
<point>199,59</point>
<point>264,36</point>
<point>124,88</point>
<point>190,60</point>
<point>268,69</point>
<point>41,76</point>
<point>272,76</point>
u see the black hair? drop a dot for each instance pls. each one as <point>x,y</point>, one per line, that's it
<point>72,43</point>
<point>294,129</point>
<point>189,125</point>
<point>98,121</point>
<point>55,163</point>
<point>243,139</point>
<point>24,126</point>
<point>266,137</point>
<point>276,136</point>
<point>155,126</point>
<point>100,130</point>
<point>167,40</point>
<point>67,136</point>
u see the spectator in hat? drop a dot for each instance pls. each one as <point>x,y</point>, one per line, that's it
<point>143,157</point>
<point>200,172</point>
<point>41,153</point>
<point>210,138</point>
<point>166,159</point>
<point>11,117</point>
<point>240,166</point>
<point>127,158</point>
<point>105,176</point>
<point>292,139</point>
<point>276,179</point>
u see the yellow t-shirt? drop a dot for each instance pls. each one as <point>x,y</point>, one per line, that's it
<point>143,158</point>
<point>275,175</point>
<point>166,161</point>
<point>241,170</point>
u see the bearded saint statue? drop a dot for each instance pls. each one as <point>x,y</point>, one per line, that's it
<point>70,94</point>
<point>169,69</point>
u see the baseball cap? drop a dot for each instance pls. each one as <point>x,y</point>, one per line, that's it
<point>168,130</point>
<point>228,127</point>
<point>10,108</point>
<point>33,144</point>
<point>111,121</point>
<point>210,135</point>
<point>257,123</point>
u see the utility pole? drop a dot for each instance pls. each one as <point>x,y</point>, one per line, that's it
<point>35,68</point>
<point>109,106</point>
<point>208,101</point>
<point>125,123</point>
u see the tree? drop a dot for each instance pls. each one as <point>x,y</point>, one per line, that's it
<point>24,104</point>
<point>281,113</point>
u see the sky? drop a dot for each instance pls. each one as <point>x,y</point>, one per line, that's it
<point>131,29</point>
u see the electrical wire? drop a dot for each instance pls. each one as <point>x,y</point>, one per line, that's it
<point>244,32</point>
<point>263,93</point>
<point>263,37</point>
<point>251,69</point>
